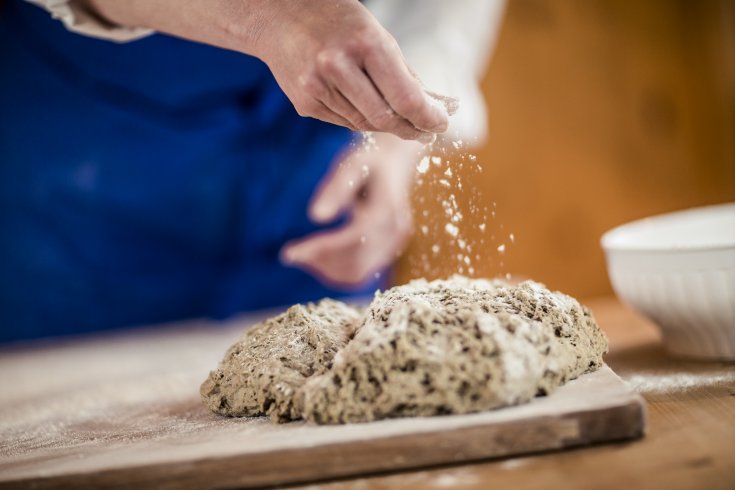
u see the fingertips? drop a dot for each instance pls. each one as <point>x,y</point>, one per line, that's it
<point>289,255</point>
<point>430,115</point>
<point>322,211</point>
<point>338,189</point>
<point>329,199</point>
<point>307,249</point>
<point>335,257</point>
<point>451,104</point>
<point>404,93</point>
<point>427,138</point>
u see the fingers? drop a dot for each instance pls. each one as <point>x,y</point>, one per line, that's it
<point>358,89</point>
<point>386,68</point>
<point>319,110</point>
<point>371,91</point>
<point>336,257</point>
<point>344,257</point>
<point>328,115</point>
<point>338,190</point>
<point>340,65</point>
<point>350,255</point>
<point>380,222</point>
<point>338,103</point>
<point>451,104</point>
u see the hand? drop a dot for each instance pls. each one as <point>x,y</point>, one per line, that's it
<point>333,59</point>
<point>336,63</point>
<point>374,185</point>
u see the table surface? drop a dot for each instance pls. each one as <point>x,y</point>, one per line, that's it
<point>690,442</point>
<point>691,408</point>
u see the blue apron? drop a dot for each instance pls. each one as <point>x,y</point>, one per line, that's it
<point>145,182</point>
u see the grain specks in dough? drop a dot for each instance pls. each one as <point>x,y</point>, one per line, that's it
<point>262,371</point>
<point>425,348</point>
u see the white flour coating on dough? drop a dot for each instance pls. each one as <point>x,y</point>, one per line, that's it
<point>426,348</point>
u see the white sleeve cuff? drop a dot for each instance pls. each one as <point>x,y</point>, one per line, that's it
<point>79,20</point>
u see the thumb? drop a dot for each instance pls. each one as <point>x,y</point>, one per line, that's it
<point>338,190</point>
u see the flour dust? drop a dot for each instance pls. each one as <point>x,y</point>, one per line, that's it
<point>457,228</point>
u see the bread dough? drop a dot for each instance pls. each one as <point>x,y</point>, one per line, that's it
<point>426,348</point>
<point>455,346</point>
<point>261,372</point>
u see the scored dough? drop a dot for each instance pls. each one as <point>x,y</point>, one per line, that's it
<point>426,348</point>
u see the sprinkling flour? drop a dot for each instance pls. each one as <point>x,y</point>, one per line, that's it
<point>448,175</point>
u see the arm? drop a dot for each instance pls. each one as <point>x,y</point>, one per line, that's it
<point>332,58</point>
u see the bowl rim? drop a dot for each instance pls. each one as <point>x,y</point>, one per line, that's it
<point>606,241</point>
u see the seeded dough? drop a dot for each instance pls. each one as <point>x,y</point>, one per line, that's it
<point>425,348</point>
<point>456,346</point>
<point>261,372</point>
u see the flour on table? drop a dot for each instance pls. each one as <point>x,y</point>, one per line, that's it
<point>667,383</point>
<point>425,348</point>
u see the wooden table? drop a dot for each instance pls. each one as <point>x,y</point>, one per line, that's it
<point>691,407</point>
<point>691,429</point>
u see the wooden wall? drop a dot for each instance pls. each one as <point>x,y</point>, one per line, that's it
<point>601,111</point>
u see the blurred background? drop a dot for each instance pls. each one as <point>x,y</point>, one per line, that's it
<point>601,112</point>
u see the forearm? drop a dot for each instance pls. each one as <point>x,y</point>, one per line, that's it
<point>333,60</point>
<point>230,24</point>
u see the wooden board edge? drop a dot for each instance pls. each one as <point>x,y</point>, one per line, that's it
<point>629,419</point>
<point>624,421</point>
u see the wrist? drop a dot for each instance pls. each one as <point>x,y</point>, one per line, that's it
<point>252,29</point>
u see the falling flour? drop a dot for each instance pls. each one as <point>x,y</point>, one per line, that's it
<point>455,234</point>
<point>425,348</point>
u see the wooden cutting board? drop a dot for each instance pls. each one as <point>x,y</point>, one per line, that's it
<point>124,411</point>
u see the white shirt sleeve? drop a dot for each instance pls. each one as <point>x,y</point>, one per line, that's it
<point>447,43</point>
<point>79,20</point>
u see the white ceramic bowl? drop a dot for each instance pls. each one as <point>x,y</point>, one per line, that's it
<point>679,270</point>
